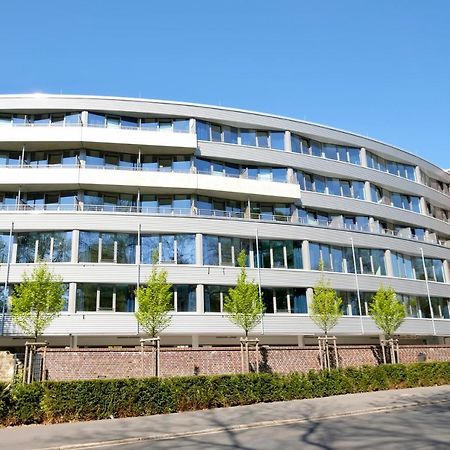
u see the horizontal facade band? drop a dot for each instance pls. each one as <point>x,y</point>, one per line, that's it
<point>225,275</point>
<point>64,178</point>
<point>116,324</point>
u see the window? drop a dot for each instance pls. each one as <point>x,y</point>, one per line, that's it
<point>99,247</point>
<point>214,297</point>
<point>248,137</point>
<point>376,194</point>
<point>319,184</point>
<point>358,190</point>
<point>262,139</point>
<point>299,303</point>
<point>181,125</point>
<point>185,298</point>
<point>334,186</point>
<point>354,156</point>
<point>230,135</point>
<point>203,131</point>
<point>54,246</point>
<point>329,151</point>
<point>223,251</point>
<point>277,140</point>
<point>175,249</point>
<point>96,120</point>
<point>296,144</point>
<point>216,133</point>
<point>105,297</point>
<point>316,148</point>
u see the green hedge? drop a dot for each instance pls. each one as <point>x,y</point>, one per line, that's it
<point>100,399</point>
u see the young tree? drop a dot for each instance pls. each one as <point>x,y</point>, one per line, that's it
<point>386,311</point>
<point>326,306</point>
<point>325,311</point>
<point>154,301</point>
<point>37,300</point>
<point>243,303</point>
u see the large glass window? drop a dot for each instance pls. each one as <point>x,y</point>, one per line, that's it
<point>203,131</point>
<point>179,249</point>
<point>277,140</point>
<point>223,251</point>
<point>96,120</point>
<point>54,246</point>
<point>86,297</point>
<point>107,247</point>
<point>185,298</point>
<point>214,297</point>
<point>299,304</point>
<point>105,297</point>
<point>230,135</point>
<point>248,137</point>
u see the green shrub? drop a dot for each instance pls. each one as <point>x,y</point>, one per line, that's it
<point>26,403</point>
<point>100,399</point>
<point>5,400</point>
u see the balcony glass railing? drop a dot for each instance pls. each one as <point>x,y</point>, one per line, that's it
<point>143,168</point>
<point>216,213</point>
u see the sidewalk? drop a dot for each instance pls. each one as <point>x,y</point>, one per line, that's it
<point>80,434</point>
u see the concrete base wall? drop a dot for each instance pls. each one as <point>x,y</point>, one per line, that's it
<point>66,364</point>
<point>7,367</point>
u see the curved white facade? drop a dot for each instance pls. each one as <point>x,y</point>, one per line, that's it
<point>93,185</point>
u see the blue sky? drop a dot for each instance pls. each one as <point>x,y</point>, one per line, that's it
<point>380,68</point>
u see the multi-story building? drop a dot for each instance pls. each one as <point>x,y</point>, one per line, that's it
<point>94,185</point>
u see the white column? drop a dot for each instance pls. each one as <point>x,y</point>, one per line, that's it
<point>72,298</point>
<point>73,341</point>
<point>75,245</point>
<point>200,299</point>
<point>367,193</point>
<point>423,206</point>
<point>418,175</point>
<point>84,118</point>
<point>287,141</point>
<point>363,157</point>
<point>301,341</point>
<point>309,297</point>
<point>388,262</point>
<point>305,256</point>
<point>195,340</point>
<point>199,249</point>
<point>192,126</point>
<point>446,271</point>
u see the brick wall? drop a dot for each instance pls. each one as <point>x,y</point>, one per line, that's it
<point>65,364</point>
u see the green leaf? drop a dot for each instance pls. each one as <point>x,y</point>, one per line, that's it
<point>37,301</point>
<point>155,301</point>
<point>326,306</point>
<point>243,304</point>
<point>387,311</point>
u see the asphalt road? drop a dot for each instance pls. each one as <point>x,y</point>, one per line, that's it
<point>425,427</point>
<point>417,418</point>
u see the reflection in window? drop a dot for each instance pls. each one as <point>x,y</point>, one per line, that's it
<point>53,246</point>
<point>107,247</point>
<point>92,297</point>
<point>223,251</point>
<point>177,249</point>
<point>185,298</point>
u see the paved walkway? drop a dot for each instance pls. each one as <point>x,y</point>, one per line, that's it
<point>105,433</point>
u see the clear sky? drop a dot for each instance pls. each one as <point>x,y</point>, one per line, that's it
<point>379,68</point>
